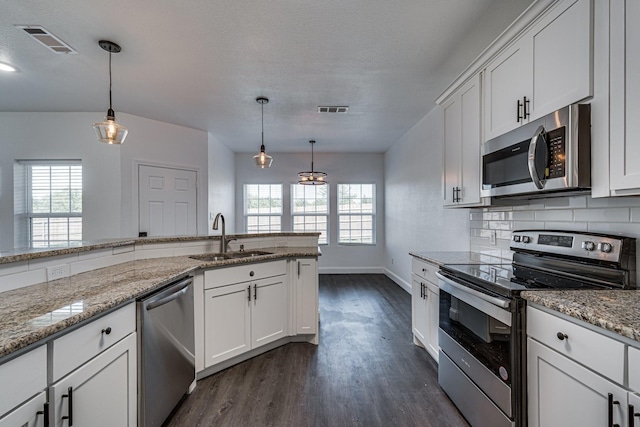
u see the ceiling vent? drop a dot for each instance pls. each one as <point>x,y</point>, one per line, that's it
<point>343,109</point>
<point>46,38</point>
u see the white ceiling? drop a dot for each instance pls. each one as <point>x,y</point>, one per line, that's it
<point>202,63</point>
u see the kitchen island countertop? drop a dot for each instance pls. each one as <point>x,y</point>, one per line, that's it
<point>33,313</point>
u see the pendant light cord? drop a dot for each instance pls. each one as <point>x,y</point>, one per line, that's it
<point>262,146</point>
<point>110,103</point>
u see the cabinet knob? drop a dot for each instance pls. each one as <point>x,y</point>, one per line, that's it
<point>106,330</point>
<point>562,336</point>
<point>251,273</point>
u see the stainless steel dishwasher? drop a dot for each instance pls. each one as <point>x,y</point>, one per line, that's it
<point>166,351</point>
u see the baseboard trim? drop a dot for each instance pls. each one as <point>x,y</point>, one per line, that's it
<point>351,270</point>
<point>399,281</point>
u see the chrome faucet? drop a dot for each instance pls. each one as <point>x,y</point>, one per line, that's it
<point>223,239</point>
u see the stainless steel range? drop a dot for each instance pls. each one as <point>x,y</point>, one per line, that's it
<point>482,327</point>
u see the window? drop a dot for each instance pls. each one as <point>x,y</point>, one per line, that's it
<point>356,214</point>
<point>263,208</point>
<point>52,205</point>
<point>310,209</point>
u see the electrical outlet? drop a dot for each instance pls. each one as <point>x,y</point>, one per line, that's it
<point>492,237</point>
<point>57,272</point>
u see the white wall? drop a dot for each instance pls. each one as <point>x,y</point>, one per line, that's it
<point>62,136</point>
<point>109,176</point>
<point>341,168</point>
<point>160,144</point>
<point>222,179</point>
<point>414,216</point>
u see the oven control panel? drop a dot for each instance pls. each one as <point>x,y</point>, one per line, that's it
<point>575,244</point>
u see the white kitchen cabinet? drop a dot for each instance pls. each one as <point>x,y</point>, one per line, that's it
<point>101,392</point>
<point>462,142</point>
<point>549,66</point>
<point>29,414</point>
<point>624,142</point>
<point>425,305</point>
<point>22,378</point>
<point>305,281</point>
<point>243,316</point>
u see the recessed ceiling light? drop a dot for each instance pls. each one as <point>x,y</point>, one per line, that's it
<point>6,67</point>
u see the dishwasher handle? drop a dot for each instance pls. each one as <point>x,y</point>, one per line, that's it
<point>171,297</point>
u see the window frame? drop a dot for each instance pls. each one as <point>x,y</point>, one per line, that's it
<point>327,214</point>
<point>246,215</point>
<point>29,215</point>
<point>372,214</point>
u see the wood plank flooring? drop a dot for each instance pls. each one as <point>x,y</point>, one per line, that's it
<point>365,372</point>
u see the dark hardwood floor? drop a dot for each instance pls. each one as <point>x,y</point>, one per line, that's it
<point>365,372</point>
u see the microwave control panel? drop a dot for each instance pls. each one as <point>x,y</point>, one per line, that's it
<point>557,158</point>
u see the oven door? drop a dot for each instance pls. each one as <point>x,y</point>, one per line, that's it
<point>477,355</point>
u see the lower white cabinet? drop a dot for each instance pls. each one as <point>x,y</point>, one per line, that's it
<point>425,306</point>
<point>100,393</point>
<point>29,414</point>
<point>305,282</point>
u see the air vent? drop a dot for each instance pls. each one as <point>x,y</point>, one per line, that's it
<point>46,38</point>
<point>343,109</point>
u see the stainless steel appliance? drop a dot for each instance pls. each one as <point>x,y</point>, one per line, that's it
<point>546,156</point>
<point>166,346</point>
<point>482,322</point>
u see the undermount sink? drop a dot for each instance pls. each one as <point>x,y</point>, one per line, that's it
<point>229,255</point>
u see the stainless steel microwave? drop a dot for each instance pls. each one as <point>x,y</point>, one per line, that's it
<point>546,157</point>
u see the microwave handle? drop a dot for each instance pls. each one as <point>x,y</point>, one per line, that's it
<point>538,151</point>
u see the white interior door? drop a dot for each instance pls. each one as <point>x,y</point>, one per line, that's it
<point>167,201</point>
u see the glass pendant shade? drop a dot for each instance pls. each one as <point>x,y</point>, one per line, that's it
<point>262,159</point>
<point>109,131</point>
<point>312,177</point>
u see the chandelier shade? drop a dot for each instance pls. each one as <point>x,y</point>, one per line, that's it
<point>109,131</point>
<point>312,177</point>
<point>262,159</point>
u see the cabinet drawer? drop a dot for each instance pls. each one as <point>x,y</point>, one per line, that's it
<point>424,269</point>
<point>598,352</point>
<point>634,369</point>
<point>22,378</point>
<point>74,349</point>
<point>243,273</point>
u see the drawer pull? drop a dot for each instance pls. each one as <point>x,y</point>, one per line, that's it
<point>424,270</point>
<point>251,273</point>
<point>107,330</point>
<point>249,292</point>
<point>69,396</point>
<point>562,336</point>
<point>632,416</point>
<point>611,403</point>
<point>45,412</point>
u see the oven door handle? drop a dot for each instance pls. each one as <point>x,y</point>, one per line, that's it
<point>497,308</point>
<point>537,157</point>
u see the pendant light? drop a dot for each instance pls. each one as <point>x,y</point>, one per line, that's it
<point>262,159</point>
<point>312,177</point>
<point>110,131</point>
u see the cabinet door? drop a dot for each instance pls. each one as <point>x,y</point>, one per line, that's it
<point>103,390</point>
<point>433,302</point>
<point>625,92</point>
<point>507,80</point>
<point>30,414</point>
<point>306,296</point>
<point>471,140</point>
<point>227,322</point>
<point>564,393</point>
<point>562,58</point>
<point>634,407</point>
<point>451,149</point>
<point>419,311</point>
<point>269,311</point>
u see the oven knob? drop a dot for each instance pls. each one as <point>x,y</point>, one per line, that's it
<point>588,246</point>
<point>526,239</point>
<point>605,247</point>
<point>516,238</point>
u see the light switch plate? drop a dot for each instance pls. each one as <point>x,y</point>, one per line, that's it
<point>57,272</point>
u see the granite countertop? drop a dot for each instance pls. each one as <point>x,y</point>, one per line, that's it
<point>617,310</point>
<point>33,313</point>
<point>458,257</point>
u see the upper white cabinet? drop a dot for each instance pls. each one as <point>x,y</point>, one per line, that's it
<point>549,66</point>
<point>462,141</point>
<point>624,144</point>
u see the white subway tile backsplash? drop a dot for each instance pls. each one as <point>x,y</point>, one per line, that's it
<point>602,215</point>
<point>479,224</point>
<point>624,229</point>
<point>565,226</point>
<point>522,215</point>
<point>36,264</point>
<point>554,215</point>
<point>501,225</point>
<point>19,280</point>
<point>612,202</point>
<point>566,202</point>
<point>13,268</point>
<point>526,225</point>
<point>635,215</point>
